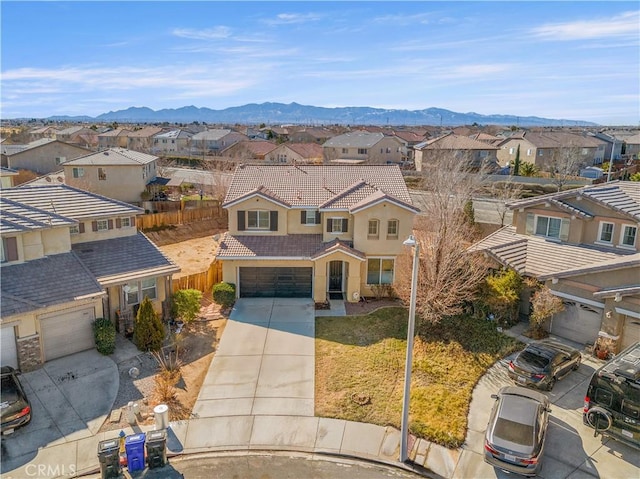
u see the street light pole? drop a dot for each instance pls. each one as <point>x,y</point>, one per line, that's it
<point>404,428</point>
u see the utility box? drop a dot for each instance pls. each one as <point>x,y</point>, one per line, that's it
<point>156,447</point>
<point>134,447</point>
<point>109,458</point>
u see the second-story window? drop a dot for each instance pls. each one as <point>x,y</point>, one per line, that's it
<point>102,174</point>
<point>337,225</point>
<point>78,172</point>
<point>125,222</point>
<point>258,219</point>
<point>547,226</point>
<point>310,217</point>
<point>605,235</point>
<point>74,230</point>
<point>392,229</point>
<point>362,151</point>
<point>372,232</point>
<point>345,151</point>
<point>102,225</point>
<point>629,234</point>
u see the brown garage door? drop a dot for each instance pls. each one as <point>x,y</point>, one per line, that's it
<point>67,332</point>
<point>275,282</point>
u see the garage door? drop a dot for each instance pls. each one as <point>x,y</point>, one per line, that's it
<point>630,331</point>
<point>578,322</point>
<point>8,344</point>
<point>67,333</point>
<point>275,282</point>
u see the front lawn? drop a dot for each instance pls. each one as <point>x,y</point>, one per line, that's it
<point>360,370</point>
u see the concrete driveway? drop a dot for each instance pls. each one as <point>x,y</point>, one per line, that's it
<point>571,451</point>
<point>265,362</point>
<point>70,399</point>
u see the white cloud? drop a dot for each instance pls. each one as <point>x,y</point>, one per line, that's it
<point>214,33</point>
<point>293,18</point>
<point>623,25</point>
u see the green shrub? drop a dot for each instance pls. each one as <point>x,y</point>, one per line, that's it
<point>224,294</point>
<point>148,330</point>
<point>185,304</point>
<point>104,333</point>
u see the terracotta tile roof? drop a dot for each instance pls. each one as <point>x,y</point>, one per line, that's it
<point>451,141</point>
<point>146,132</point>
<point>116,132</point>
<point>306,150</point>
<point>353,194</point>
<point>536,256</point>
<point>251,147</point>
<point>47,281</point>
<point>335,246</point>
<point>123,259</point>
<point>312,186</point>
<point>266,193</point>
<point>555,139</point>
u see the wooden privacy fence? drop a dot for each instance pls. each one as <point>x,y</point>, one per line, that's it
<point>202,281</point>
<point>180,217</point>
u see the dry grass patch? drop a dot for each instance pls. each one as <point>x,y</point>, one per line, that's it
<point>360,370</point>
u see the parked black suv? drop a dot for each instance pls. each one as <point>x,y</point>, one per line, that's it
<point>14,405</point>
<point>612,403</point>
<point>542,363</point>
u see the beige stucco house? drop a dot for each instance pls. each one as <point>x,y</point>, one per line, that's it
<point>314,231</point>
<point>69,256</point>
<point>295,153</point>
<point>360,147</point>
<point>475,153</point>
<point>583,244</point>
<point>42,156</point>
<point>118,173</point>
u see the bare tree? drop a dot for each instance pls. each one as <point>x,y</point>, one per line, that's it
<point>504,192</point>
<point>448,276</point>
<point>565,163</point>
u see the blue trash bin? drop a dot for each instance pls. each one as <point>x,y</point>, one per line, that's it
<point>134,447</point>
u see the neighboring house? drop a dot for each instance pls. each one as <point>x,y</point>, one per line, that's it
<point>43,156</point>
<point>486,138</point>
<point>117,173</point>
<point>142,139</point>
<point>476,153</point>
<point>540,148</point>
<point>117,138</point>
<point>315,231</point>
<point>411,139</point>
<point>583,244</point>
<point>296,153</point>
<point>171,142</point>
<point>311,135</point>
<point>249,150</point>
<point>276,133</point>
<point>43,132</point>
<point>67,134</point>
<point>633,147</point>
<point>364,147</point>
<point>68,257</point>
<point>6,177</point>
<point>214,141</point>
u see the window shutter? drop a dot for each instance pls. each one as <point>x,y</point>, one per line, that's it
<point>94,226</point>
<point>345,225</point>
<point>118,223</point>
<point>317,217</point>
<point>530,220</point>
<point>241,226</point>
<point>564,229</point>
<point>132,221</point>
<point>328,225</point>
<point>110,224</point>
<point>81,227</point>
<point>303,217</point>
<point>11,249</point>
<point>273,220</point>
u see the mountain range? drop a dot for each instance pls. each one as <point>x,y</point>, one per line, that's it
<point>294,113</point>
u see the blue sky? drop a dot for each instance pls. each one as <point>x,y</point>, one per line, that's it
<point>573,60</point>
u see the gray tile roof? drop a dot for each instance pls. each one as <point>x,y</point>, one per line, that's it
<point>70,202</point>
<point>290,246</point>
<point>620,196</point>
<point>536,256</point>
<point>311,186</point>
<point>113,156</point>
<point>355,139</point>
<point>16,217</point>
<point>117,260</point>
<point>43,282</point>
<point>211,135</point>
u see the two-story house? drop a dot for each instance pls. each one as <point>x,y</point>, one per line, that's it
<point>364,147</point>
<point>69,256</point>
<point>583,244</point>
<point>117,138</point>
<point>475,153</point>
<point>541,147</point>
<point>214,141</point>
<point>142,138</point>
<point>171,142</point>
<point>42,156</point>
<point>314,231</point>
<point>118,173</point>
<point>295,153</point>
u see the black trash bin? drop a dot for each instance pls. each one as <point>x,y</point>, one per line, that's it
<point>156,448</point>
<point>109,457</point>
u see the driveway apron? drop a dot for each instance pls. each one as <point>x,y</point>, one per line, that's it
<point>265,362</point>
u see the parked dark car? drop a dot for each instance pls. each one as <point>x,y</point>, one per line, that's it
<point>542,363</point>
<point>14,405</point>
<point>612,402</point>
<point>514,441</point>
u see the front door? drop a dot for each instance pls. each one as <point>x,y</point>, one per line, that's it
<point>335,276</point>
